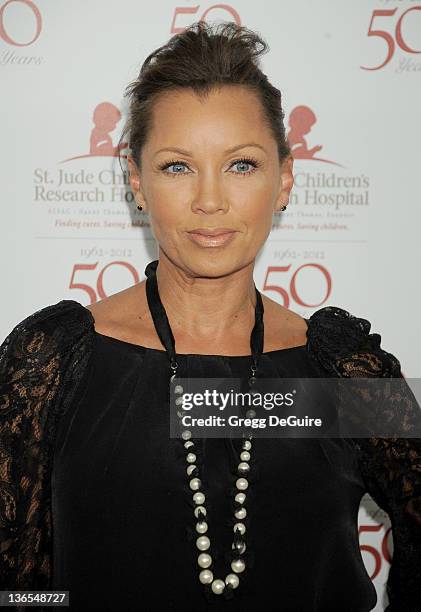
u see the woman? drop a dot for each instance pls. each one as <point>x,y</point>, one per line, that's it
<point>96,497</point>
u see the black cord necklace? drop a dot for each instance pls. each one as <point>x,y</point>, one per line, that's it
<point>204,559</point>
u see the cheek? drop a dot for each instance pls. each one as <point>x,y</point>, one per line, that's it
<point>165,218</point>
<point>258,216</point>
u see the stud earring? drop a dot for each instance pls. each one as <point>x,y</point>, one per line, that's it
<point>139,207</point>
<point>284,207</point>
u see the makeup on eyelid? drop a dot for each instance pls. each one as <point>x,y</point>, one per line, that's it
<point>243,160</point>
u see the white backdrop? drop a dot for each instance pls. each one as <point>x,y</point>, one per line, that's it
<point>350,77</point>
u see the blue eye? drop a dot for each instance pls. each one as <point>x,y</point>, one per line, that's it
<point>248,162</point>
<point>173,163</point>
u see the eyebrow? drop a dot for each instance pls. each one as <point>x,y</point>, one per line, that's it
<point>231,150</point>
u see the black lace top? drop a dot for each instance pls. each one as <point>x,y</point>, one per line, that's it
<point>94,496</point>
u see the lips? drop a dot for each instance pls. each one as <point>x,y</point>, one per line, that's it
<point>212,237</point>
<point>212,231</point>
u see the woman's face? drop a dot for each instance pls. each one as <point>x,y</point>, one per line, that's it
<point>210,164</point>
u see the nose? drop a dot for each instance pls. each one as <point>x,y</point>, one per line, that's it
<point>210,197</point>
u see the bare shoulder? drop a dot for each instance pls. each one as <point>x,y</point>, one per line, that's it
<point>283,327</point>
<point>124,315</point>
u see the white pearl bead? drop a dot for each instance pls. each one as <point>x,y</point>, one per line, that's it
<point>204,560</point>
<point>186,434</point>
<point>240,513</point>
<point>179,400</point>
<point>218,586</point>
<point>247,445</point>
<point>190,469</point>
<point>238,566</point>
<point>243,467</point>
<point>203,542</point>
<point>188,444</point>
<point>199,508</point>
<point>241,483</point>
<point>191,458</point>
<point>206,576</point>
<point>199,498</point>
<point>195,484</point>
<point>178,389</point>
<point>201,527</point>
<point>244,456</point>
<point>241,498</point>
<point>233,580</point>
<point>240,527</point>
<point>250,414</point>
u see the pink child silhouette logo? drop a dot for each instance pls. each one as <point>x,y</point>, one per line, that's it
<point>105,118</point>
<point>301,121</point>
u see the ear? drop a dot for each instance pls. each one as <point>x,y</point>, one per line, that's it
<point>286,182</point>
<point>135,182</point>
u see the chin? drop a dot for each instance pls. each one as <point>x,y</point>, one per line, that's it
<point>214,265</point>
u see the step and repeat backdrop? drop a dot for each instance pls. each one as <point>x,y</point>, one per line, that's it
<point>350,75</point>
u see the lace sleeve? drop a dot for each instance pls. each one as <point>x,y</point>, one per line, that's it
<point>390,467</point>
<point>40,361</point>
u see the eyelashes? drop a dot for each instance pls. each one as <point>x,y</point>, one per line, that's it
<point>242,160</point>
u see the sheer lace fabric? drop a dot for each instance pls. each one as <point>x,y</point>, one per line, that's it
<point>41,362</point>
<point>391,467</point>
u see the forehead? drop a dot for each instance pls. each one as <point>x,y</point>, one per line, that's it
<point>224,115</point>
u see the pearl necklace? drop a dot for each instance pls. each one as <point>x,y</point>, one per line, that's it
<point>217,586</point>
<point>203,543</point>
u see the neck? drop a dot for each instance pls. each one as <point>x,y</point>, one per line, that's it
<point>207,309</point>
